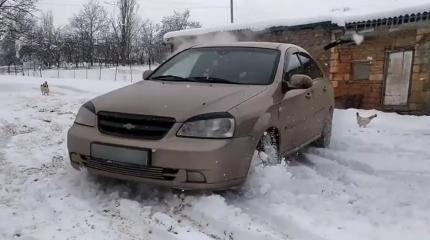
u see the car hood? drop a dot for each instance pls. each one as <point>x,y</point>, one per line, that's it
<point>180,100</point>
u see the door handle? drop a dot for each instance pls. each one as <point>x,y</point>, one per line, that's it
<point>308,95</point>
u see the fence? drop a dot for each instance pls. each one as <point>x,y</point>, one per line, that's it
<point>121,73</point>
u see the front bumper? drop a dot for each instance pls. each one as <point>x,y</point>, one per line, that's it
<point>176,162</point>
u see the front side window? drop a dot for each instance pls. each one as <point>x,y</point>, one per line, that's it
<point>234,65</point>
<point>310,67</point>
<point>293,66</point>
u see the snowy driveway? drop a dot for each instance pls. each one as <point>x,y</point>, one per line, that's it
<point>372,183</point>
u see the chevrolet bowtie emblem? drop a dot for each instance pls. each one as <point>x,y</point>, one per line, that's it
<point>129,126</point>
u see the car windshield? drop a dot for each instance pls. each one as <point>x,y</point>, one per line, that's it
<point>231,65</point>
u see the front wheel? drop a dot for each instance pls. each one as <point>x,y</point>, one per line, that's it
<point>268,148</point>
<point>325,139</point>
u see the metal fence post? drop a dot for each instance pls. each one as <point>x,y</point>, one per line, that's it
<point>131,74</point>
<point>116,71</point>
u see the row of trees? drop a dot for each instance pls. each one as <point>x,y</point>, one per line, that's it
<point>91,36</point>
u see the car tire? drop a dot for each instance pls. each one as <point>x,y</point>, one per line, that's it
<point>268,148</point>
<point>325,139</point>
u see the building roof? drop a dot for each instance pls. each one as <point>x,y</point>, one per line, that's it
<point>417,13</point>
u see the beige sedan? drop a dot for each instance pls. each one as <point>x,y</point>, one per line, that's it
<point>196,121</point>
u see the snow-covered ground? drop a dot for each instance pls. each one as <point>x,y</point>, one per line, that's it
<point>372,183</point>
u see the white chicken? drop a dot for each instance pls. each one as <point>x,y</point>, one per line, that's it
<point>364,121</point>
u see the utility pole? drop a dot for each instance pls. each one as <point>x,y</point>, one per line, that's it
<point>231,11</point>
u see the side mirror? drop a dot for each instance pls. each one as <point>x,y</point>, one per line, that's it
<point>297,81</point>
<point>146,74</point>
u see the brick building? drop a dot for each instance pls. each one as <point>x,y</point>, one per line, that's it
<point>389,70</point>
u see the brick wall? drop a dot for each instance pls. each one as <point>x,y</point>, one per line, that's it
<point>419,100</point>
<point>374,49</point>
<point>370,90</point>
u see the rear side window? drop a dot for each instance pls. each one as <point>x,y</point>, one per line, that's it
<point>310,67</point>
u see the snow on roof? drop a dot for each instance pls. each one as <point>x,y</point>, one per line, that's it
<point>290,22</point>
<point>256,26</point>
<point>391,13</point>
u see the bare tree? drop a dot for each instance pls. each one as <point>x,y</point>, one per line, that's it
<point>69,45</point>
<point>177,21</point>
<point>14,13</point>
<point>90,24</point>
<point>47,41</point>
<point>146,39</point>
<point>90,36</point>
<point>126,27</point>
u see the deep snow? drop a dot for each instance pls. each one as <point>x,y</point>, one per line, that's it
<point>372,183</point>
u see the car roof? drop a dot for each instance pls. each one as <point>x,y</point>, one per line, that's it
<point>270,45</point>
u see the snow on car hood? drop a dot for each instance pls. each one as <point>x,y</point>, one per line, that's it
<point>180,100</point>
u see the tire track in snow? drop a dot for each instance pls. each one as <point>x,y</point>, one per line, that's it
<point>288,228</point>
<point>4,137</point>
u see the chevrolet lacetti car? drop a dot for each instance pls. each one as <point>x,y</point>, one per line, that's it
<point>196,121</point>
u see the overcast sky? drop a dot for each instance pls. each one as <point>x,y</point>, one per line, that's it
<point>217,12</point>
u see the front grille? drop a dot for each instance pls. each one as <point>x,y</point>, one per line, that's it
<point>133,170</point>
<point>134,126</point>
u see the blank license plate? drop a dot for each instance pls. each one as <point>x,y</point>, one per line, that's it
<point>120,154</point>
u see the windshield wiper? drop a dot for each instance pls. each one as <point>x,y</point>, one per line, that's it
<point>170,78</point>
<point>213,80</point>
<point>193,79</point>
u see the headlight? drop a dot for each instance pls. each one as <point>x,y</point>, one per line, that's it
<point>213,125</point>
<point>86,115</point>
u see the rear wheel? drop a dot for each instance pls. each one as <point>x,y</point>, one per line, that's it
<point>325,139</point>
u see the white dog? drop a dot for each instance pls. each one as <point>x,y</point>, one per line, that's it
<point>44,88</point>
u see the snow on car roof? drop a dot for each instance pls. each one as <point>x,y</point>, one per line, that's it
<point>290,22</point>
<point>272,45</point>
